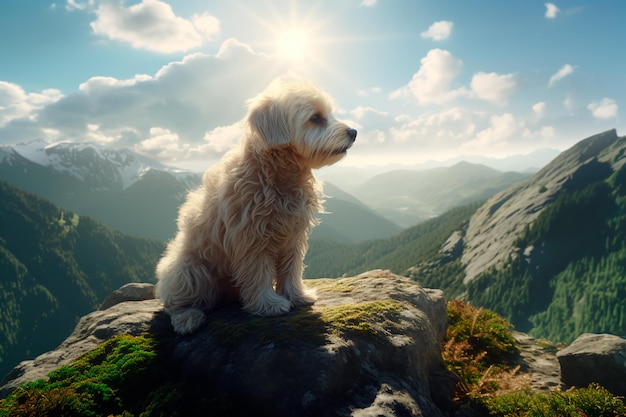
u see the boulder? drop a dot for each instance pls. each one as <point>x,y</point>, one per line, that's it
<point>370,345</point>
<point>597,358</point>
<point>134,291</point>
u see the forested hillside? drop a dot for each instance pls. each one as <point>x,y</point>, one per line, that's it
<point>398,253</point>
<point>56,266</point>
<point>570,275</point>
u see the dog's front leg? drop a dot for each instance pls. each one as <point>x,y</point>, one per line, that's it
<point>254,276</point>
<point>289,282</point>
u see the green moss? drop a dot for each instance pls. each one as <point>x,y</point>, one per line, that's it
<point>308,325</point>
<point>101,382</point>
<point>299,325</point>
<point>593,401</point>
<point>334,285</point>
<point>366,318</point>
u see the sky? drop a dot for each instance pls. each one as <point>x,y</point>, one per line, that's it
<point>419,79</point>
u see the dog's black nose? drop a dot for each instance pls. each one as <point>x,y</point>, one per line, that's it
<point>352,134</point>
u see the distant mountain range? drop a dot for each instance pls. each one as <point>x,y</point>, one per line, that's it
<point>56,266</point>
<point>141,196</point>
<point>548,253</point>
<point>123,189</point>
<point>349,178</point>
<point>409,197</point>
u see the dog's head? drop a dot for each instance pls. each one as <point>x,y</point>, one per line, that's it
<point>297,114</point>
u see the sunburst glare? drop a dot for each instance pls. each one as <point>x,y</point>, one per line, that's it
<point>292,45</point>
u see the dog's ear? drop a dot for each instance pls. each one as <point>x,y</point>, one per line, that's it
<point>269,123</point>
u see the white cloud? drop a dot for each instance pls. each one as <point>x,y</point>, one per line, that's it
<point>568,102</point>
<point>369,3</point>
<point>603,109</point>
<point>551,10</point>
<point>438,31</point>
<point>501,129</point>
<point>432,82</point>
<point>186,98</point>
<point>206,25</point>
<point>547,132</point>
<point>368,91</point>
<point>223,138</point>
<point>162,144</point>
<point>539,109</point>
<point>437,132</point>
<point>167,146</point>
<point>79,5</point>
<point>152,25</point>
<point>493,87</point>
<point>103,84</point>
<point>565,70</point>
<point>15,103</point>
<point>361,112</point>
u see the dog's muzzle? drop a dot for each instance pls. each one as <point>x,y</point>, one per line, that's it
<point>351,133</point>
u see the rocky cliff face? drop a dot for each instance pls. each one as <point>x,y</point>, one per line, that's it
<point>369,346</point>
<point>494,228</point>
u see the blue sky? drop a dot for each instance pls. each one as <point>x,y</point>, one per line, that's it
<point>420,80</point>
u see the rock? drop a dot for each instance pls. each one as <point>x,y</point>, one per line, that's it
<point>370,345</point>
<point>133,291</point>
<point>538,360</point>
<point>125,318</point>
<point>597,358</point>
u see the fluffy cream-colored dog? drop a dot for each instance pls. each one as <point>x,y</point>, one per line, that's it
<point>243,233</point>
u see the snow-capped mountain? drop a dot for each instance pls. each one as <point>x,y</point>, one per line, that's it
<point>93,163</point>
<point>126,190</point>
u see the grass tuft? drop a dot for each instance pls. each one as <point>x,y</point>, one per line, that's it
<point>593,401</point>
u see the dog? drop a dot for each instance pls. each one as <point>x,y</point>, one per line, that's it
<point>242,235</point>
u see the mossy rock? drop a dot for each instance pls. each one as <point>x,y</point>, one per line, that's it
<point>307,324</point>
<point>102,382</point>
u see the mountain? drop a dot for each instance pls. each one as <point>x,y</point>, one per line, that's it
<point>56,266</point>
<point>398,253</point>
<point>348,220</point>
<point>349,178</point>
<point>548,253</point>
<point>141,196</point>
<point>408,197</point>
<point>121,188</point>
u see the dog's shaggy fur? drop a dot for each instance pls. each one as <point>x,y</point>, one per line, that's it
<point>243,233</point>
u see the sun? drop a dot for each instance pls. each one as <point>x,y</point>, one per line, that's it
<point>299,36</point>
<point>293,45</point>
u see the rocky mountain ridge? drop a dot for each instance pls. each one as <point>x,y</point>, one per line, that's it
<point>493,230</point>
<point>100,167</point>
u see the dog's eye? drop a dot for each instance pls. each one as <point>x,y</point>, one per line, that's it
<point>317,119</point>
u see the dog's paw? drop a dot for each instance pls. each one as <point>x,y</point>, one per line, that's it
<point>270,304</point>
<point>305,299</point>
<point>187,320</point>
